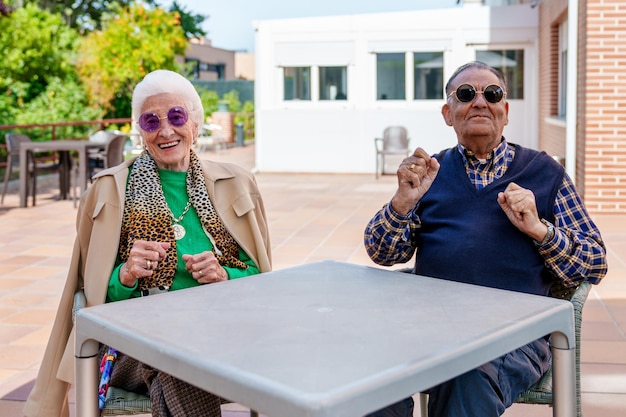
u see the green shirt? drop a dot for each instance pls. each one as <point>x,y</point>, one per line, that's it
<point>194,241</point>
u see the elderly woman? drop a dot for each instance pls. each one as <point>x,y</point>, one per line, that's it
<point>160,222</point>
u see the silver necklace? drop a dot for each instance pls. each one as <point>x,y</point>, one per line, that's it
<point>179,230</point>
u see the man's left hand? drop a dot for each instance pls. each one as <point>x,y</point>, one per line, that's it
<point>520,207</point>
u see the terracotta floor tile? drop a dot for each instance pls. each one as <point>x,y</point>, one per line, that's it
<point>603,378</point>
<point>11,408</point>
<point>11,284</point>
<point>31,317</point>
<point>600,331</point>
<point>6,269</point>
<point>19,357</point>
<point>603,352</point>
<point>9,333</point>
<point>38,272</point>
<point>6,374</point>
<point>603,405</point>
<point>37,337</point>
<point>21,300</point>
<point>23,260</point>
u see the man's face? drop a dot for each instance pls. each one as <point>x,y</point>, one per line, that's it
<point>477,121</point>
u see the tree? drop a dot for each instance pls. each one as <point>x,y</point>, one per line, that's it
<point>189,22</point>
<point>37,48</point>
<point>84,15</point>
<point>87,15</point>
<point>131,44</point>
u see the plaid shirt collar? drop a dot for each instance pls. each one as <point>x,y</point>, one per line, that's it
<point>484,172</point>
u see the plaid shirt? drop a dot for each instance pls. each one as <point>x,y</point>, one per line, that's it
<point>576,253</point>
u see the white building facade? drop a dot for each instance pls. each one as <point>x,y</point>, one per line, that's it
<point>326,87</point>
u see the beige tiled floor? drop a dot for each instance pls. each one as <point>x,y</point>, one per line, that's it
<point>311,217</point>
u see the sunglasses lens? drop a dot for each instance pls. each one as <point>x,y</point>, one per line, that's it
<point>149,122</point>
<point>465,93</point>
<point>493,93</point>
<point>177,116</point>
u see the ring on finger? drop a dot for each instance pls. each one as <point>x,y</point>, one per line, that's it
<point>412,167</point>
<point>200,272</point>
<point>149,263</point>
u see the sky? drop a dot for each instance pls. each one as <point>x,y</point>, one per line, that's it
<point>229,25</point>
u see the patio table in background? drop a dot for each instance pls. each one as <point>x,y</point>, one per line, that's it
<point>61,146</point>
<point>324,339</point>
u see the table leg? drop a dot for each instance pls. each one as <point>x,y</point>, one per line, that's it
<point>563,376</point>
<point>23,176</point>
<point>64,173</point>
<point>87,379</point>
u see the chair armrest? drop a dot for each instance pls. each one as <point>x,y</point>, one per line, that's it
<point>378,144</point>
<point>580,296</point>
<point>80,301</point>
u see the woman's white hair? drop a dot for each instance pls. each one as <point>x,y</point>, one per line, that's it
<point>165,81</point>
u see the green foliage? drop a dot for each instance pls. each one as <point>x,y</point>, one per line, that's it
<point>63,100</point>
<point>246,116</point>
<point>37,47</point>
<point>132,43</point>
<point>83,15</point>
<point>7,109</point>
<point>210,100</point>
<point>232,99</point>
<point>243,114</point>
<point>87,15</point>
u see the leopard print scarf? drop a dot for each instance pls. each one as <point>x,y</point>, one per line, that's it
<point>147,217</point>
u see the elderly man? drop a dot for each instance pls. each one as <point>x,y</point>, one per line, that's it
<point>509,217</point>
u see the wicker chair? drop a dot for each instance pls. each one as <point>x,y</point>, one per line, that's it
<point>119,402</point>
<point>541,391</point>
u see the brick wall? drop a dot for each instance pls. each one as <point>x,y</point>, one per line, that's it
<point>601,131</point>
<point>605,109</point>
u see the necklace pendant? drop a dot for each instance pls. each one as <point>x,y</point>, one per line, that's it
<point>179,231</point>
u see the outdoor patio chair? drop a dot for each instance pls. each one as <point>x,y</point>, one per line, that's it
<point>112,152</point>
<point>110,155</point>
<point>395,141</point>
<point>119,402</point>
<point>13,141</point>
<point>541,391</point>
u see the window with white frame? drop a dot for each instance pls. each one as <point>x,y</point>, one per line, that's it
<point>390,76</point>
<point>333,82</point>
<point>428,75</point>
<point>562,106</point>
<point>297,83</point>
<point>511,63</point>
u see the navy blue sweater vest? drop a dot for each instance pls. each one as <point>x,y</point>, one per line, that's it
<point>465,235</point>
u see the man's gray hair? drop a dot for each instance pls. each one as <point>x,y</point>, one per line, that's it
<point>165,81</point>
<point>479,65</point>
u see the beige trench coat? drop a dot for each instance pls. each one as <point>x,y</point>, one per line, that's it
<point>237,200</point>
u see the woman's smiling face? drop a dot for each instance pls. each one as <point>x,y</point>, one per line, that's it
<point>169,145</point>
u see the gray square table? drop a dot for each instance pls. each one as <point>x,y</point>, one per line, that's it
<point>324,339</point>
<point>80,146</point>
